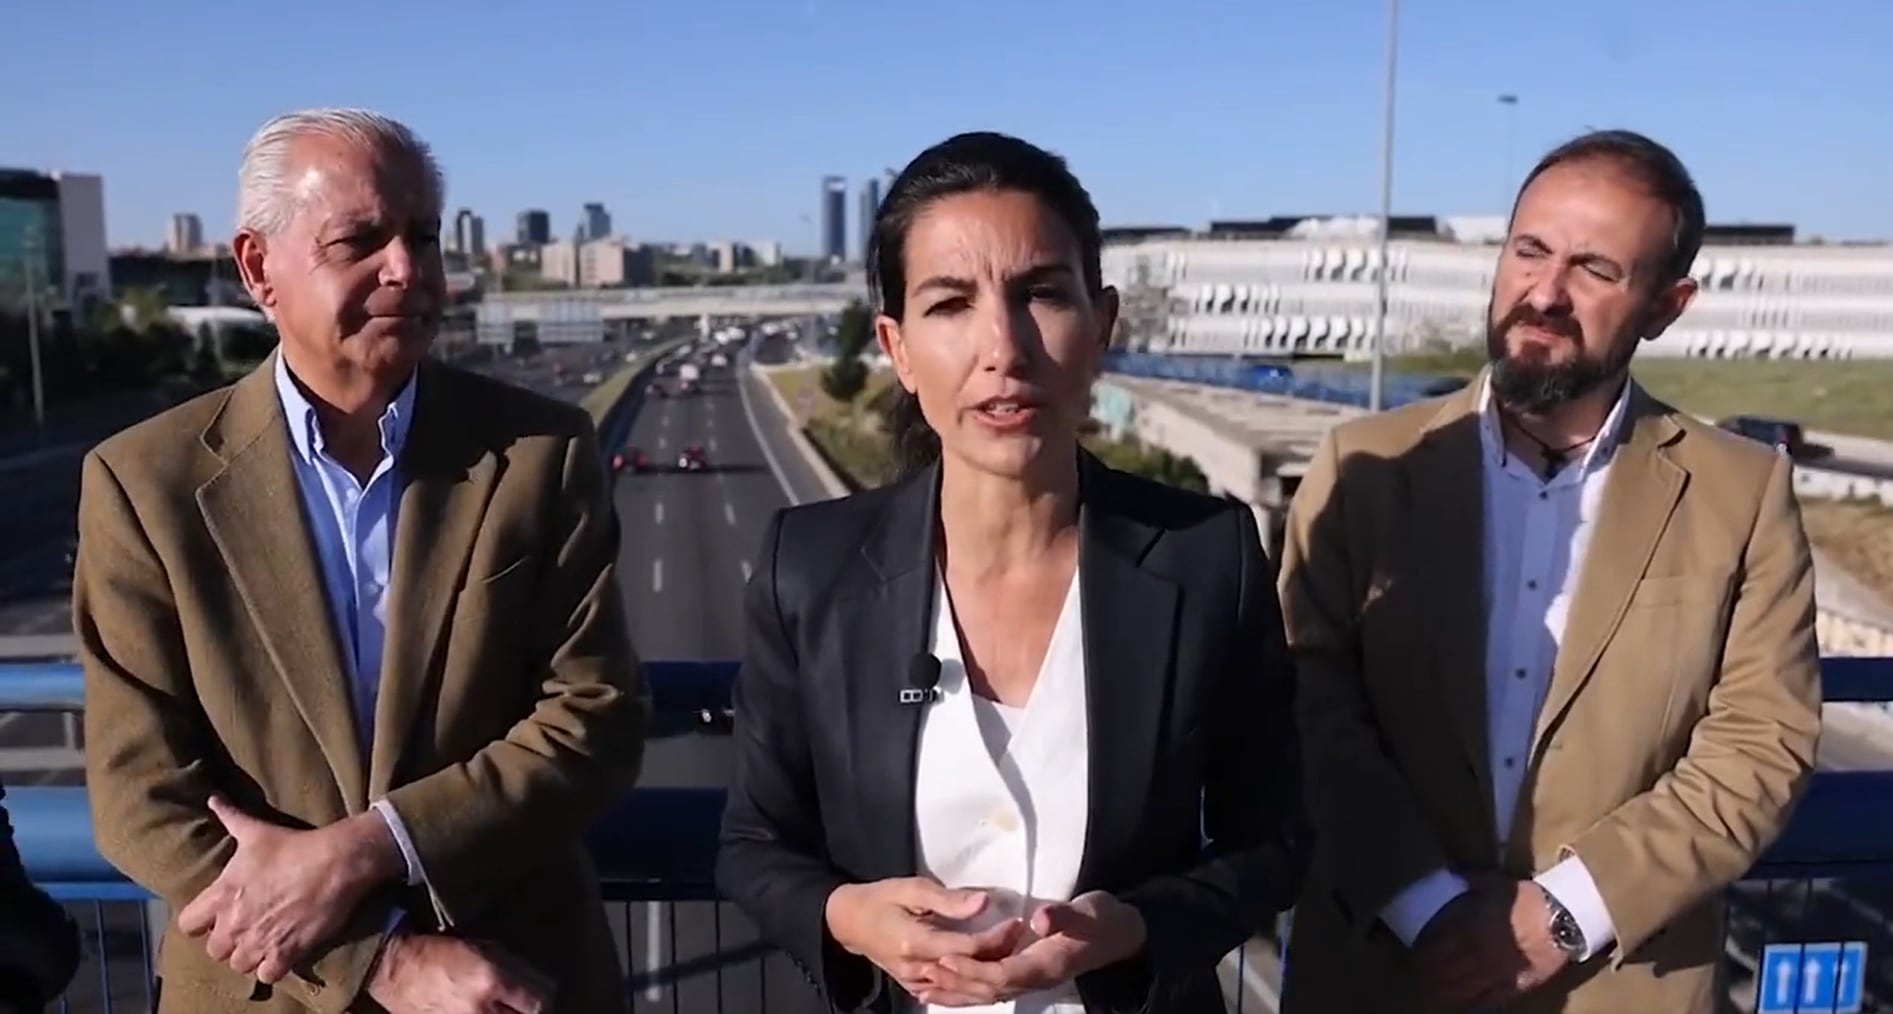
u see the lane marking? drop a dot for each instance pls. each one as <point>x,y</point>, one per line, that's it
<point>755,428</point>
<point>661,441</point>
<point>653,950</point>
<point>729,514</point>
<point>713,443</point>
<point>660,512</point>
<point>657,574</point>
<point>746,570</point>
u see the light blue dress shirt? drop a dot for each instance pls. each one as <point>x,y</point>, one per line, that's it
<point>352,526</point>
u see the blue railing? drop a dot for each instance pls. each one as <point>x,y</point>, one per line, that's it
<point>1312,383</point>
<point>659,846</point>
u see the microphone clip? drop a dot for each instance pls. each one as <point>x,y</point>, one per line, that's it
<point>919,695</point>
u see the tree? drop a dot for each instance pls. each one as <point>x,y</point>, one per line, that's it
<point>847,376</point>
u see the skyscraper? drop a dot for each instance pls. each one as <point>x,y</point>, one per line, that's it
<point>870,206</point>
<point>186,234</point>
<point>469,235</point>
<point>834,219</point>
<point>534,227</point>
<point>594,222</point>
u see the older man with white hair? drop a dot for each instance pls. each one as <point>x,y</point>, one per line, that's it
<point>357,672</point>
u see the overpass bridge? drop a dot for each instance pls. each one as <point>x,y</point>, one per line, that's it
<point>578,316</point>
<point>688,540</point>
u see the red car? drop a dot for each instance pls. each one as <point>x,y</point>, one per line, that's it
<point>692,459</point>
<point>630,458</point>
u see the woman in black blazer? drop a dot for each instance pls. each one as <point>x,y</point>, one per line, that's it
<point>1058,688</point>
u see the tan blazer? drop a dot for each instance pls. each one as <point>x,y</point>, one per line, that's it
<point>1678,731</point>
<point>510,714</point>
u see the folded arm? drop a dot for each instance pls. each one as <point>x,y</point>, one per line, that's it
<point>474,827</point>
<point>1387,862</point>
<point>773,862</point>
<point>149,748</point>
<point>1703,824</point>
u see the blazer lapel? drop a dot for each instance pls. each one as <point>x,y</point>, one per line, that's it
<point>254,514</point>
<point>1639,497</point>
<point>1129,626</point>
<point>1446,535</point>
<point>448,479</point>
<point>883,628</point>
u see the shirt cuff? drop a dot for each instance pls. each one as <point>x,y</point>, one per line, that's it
<point>1571,883</point>
<point>416,876</point>
<point>1410,910</point>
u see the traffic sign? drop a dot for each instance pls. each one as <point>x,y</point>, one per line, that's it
<point>1828,978</point>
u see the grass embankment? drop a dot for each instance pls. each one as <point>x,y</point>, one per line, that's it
<point>1835,395</point>
<point>853,438</point>
<point>1852,396</point>
<point>848,433</point>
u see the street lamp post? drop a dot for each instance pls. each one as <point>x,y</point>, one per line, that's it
<point>1377,393</point>
<point>31,246</point>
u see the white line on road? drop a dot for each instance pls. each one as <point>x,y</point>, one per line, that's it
<point>713,445</point>
<point>653,950</point>
<point>775,467</point>
<point>746,570</point>
<point>660,512</point>
<point>661,441</point>
<point>657,574</point>
<point>729,514</point>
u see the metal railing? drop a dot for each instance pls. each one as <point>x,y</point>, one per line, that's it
<point>1829,878</point>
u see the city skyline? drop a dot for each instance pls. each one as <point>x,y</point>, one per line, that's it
<point>1177,114</point>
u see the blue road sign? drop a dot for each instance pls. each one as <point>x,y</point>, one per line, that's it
<point>1828,978</point>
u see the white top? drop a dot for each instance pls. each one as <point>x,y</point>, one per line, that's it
<point>1537,534</point>
<point>1001,794</point>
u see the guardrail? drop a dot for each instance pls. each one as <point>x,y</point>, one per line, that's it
<point>660,844</point>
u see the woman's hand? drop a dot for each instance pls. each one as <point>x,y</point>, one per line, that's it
<point>897,925</point>
<point>1068,940</point>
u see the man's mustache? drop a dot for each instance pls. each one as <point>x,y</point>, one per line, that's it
<point>1565,327</point>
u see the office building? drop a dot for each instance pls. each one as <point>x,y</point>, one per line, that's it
<point>52,237</point>
<point>469,236</point>
<point>834,220</point>
<point>870,206</point>
<point>534,228</point>
<point>1308,286</point>
<point>594,222</point>
<point>186,234</point>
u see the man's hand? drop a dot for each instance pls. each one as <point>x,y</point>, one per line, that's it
<point>426,974</point>
<point>1487,946</point>
<point>1068,940</point>
<point>286,891</point>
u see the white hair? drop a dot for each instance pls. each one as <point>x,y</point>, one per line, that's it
<point>264,199</point>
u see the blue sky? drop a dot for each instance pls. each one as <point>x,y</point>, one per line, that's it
<point>716,119</point>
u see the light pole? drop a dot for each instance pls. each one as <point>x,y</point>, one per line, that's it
<point>1510,102</point>
<point>1376,394</point>
<point>30,247</point>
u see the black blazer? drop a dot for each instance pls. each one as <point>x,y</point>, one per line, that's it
<point>1195,814</point>
<point>39,942</point>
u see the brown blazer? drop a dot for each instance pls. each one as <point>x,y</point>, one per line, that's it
<point>1678,731</point>
<point>510,715</point>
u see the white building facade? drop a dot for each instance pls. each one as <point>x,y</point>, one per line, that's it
<point>1314,292</point>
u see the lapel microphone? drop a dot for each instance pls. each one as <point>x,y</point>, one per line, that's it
<point>923,679</point>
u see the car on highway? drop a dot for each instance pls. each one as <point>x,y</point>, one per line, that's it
<point>630,458</point>
<point>692,459</point>
<point>1784,436</point>
<point>592,377</point>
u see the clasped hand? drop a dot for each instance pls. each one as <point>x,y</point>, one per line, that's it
<point>896,924</point>
<point>285,891</point>
<point>1488,946</point>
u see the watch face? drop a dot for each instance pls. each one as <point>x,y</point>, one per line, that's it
<point>1566,934</point>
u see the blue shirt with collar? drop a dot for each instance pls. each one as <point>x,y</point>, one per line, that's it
<point>352,525</point>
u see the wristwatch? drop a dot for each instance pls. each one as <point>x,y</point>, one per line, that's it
<point>1565,931</point>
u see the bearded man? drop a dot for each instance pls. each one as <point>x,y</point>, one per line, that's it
<point>1559,680</point>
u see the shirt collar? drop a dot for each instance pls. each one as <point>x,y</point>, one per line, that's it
<point>305,432</point>
<point>1492,435</point>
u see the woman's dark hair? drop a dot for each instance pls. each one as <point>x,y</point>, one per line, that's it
<point>965,163</point>
<point>1652,166</point>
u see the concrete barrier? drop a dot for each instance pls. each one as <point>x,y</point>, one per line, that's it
<point>818,463</point>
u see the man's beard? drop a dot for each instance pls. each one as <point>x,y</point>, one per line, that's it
<point>1531,382</point>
